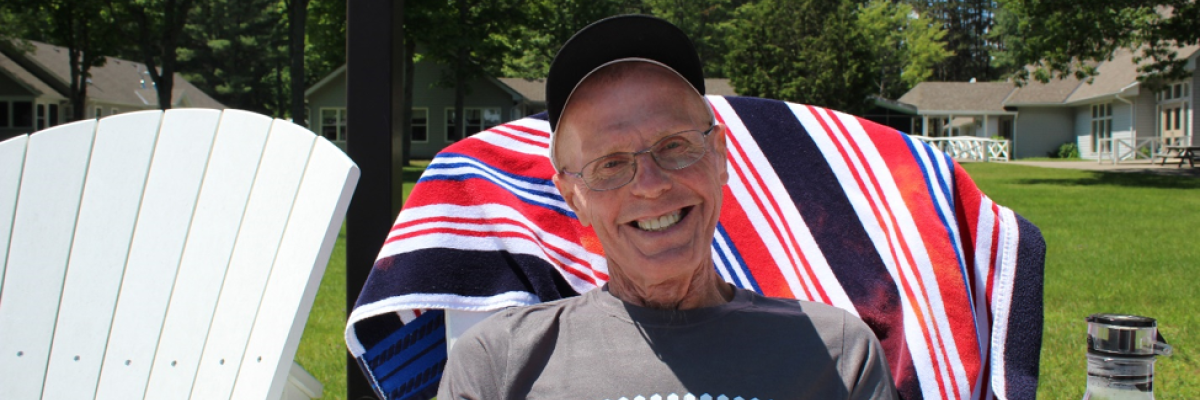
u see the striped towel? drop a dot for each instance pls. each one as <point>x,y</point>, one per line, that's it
<point>820,206</point>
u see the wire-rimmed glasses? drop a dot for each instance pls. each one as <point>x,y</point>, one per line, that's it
<point>674,152</point>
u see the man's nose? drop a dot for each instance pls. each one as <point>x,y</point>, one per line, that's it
<point>649,179</point>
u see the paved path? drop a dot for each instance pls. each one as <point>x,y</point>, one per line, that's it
<point>1138,166</point>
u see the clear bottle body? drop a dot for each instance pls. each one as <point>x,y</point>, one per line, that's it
<point>1119,378</point>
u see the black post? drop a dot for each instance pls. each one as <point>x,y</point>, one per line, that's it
<point>369,75</point>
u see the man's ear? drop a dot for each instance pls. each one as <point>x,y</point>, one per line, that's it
<point>719,151</point>
<point>569,196</point>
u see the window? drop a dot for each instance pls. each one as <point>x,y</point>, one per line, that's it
<point>475,120</point>
<point>1173,105</point>
<point>4,114</point>
<point>1178,91</point>
<point>333,124</point>
<point>99,112</point>
<point>1102,128</point>
<point>22,114</point>
<point>420,125</point>
<point>41,116</point>
<point>52,119</point>
<point>113,111</point>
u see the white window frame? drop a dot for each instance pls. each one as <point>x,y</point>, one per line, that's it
<point>483,124</point>
<point>426,110</point>
<point>340,128</point>
<point>1174,110</point>
<point>98,112</point>
<point>1102,119</point>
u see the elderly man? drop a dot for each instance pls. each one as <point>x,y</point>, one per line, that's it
<point>641,160</point>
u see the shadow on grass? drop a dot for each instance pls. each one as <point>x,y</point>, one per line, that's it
<point>1158,180</point>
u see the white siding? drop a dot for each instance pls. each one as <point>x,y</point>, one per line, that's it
<point>1144,121</point>
<point>1195,98</point>
<point>1083,131</point>
<point>1039,131</point>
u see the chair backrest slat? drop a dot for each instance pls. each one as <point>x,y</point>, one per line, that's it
<point>103,230</point>
<point>220,208</point>
<point>329,180</point>
<point>172,186</point>
<point>267,212</point>
<point>52,180</point>
<point>12,162</point>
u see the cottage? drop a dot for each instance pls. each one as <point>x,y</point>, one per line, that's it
<point>1113,117</point>
<point>34,87</point>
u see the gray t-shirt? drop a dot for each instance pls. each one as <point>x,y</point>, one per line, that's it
<point>597,347</point>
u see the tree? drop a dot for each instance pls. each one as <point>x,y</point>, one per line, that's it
<point>467,36</point>
<point>326,38</point>
<point>157,29</point>
<point>236,51</point>
<point>549,23</point>
<point>1060,38</point>
<point>967,24</point>
<point>297,11</point>
<point>906,46</point>
<point>804,51</point>
<point>702,20</point>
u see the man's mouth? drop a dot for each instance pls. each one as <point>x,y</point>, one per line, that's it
<point>661,223</point>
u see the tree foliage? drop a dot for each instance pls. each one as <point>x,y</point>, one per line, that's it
<point>236,51</point>
<point>548,24</point>
<point>1060,38</point>
<point>906,46</point>
<point>967,24</point>
<point>805,51</point>
<point>157,30</point>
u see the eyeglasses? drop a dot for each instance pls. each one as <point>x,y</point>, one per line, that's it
<point>674,152</point>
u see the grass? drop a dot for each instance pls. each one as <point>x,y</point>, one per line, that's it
<point>322,349</point>
<point>1117,242</point>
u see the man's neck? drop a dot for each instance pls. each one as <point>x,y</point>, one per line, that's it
<point>705,289</point>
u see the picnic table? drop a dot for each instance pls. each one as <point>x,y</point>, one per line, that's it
<point>1187,153</point>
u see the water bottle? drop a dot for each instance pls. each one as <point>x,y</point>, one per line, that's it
<point>1121,355</point>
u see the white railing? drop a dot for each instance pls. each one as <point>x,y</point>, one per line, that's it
<point>970,148</point>
<point>1127,149</point>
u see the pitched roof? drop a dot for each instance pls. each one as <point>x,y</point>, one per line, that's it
<point>118,81</point>
<point>1054,92</point>
<point>23,76</point>
<point>719,87</point>
<point>959,96</point>
<point>532,89</point>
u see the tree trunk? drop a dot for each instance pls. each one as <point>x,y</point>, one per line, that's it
<point>460,87</point>
<point>297,15</point>
<point>410,50</point>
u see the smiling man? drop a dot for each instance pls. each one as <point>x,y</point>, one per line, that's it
<point>640,159</point>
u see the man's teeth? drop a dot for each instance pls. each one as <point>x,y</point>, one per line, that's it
<point>660,223</point>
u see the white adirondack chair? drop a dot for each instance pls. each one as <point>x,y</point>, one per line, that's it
<point>163,255</point>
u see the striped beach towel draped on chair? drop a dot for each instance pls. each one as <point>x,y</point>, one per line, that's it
<point>820,206</point>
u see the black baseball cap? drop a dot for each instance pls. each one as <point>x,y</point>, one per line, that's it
<point>623,37</point>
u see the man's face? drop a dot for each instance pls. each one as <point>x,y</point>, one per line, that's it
<point>631,113</point>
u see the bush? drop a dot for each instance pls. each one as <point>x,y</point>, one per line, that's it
<point>1066,150</point>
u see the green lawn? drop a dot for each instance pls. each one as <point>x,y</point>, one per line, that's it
<point>1116,243</point>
